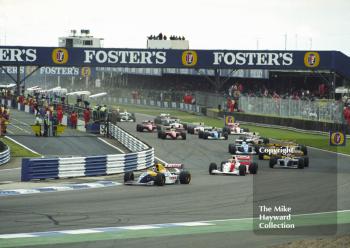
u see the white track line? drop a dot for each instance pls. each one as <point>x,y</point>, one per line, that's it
<point>338,153</point>
<point>13,125</point>
<point>106,142</point>
<point>7,137</point>
<point>10,169</point>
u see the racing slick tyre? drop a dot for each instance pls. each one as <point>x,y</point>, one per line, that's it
<point>306,161</point>
<point>206,135</point>
<point>118,119</point>
<point>301,164</point>
<point>190,130</point>
<point>185,177</point>
<point>159,135</point>
<point>260,155</point>
<point>303,149</point>
<point>212,167</point>
<point>201,134</point>
<point>139,128</point>
<point>163,135</point>
<point>253,168</point>
<point>272,162</point>
<point>242,170</point>
<point>226,130</point>
<point>184,126</point>
<point>128,176</point>
<point>232,148</point>
<point>222,165</point>
<point>160,179</point>
<point>183,135</point>
<point>225,134</point>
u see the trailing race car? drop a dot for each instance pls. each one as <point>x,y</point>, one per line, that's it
<point>234,128</point>
<point>147,126</point>
<point>243,148</point>
<point>213,133</point>
<point>171,133</point>
<point>269,150</point>
<point>160,175</point>
<point>195,128</point>
<point>125,116</point>
<point>237,165</point>
<point>289,161</point>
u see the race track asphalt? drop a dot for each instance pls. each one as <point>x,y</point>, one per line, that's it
<point>324,186</point>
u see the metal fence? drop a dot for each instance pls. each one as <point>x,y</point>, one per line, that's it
<point>321,110</point>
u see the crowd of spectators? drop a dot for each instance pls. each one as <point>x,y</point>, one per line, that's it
<point>161,36</point>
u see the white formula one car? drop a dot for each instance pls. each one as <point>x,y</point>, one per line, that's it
<point>252,138</point>
<point>234,128</point>
<point>160,175</point>
<point>213,134</point>
<point>243,148</point>
<point>195,128</point>
<point>237,165</point>
<point>289,161</point>
<point>126,116</point>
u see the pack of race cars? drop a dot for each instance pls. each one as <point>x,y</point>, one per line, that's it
<point>245,150</point>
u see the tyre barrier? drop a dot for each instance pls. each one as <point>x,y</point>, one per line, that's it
<point>142,157</point>
<point>4,154</point>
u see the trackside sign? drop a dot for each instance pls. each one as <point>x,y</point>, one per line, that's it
<point>170,58</point>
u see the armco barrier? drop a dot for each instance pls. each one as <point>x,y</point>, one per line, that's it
<point>5,154</point>
<point>142,157</point>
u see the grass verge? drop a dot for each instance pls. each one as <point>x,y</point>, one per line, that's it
<point>17,150</point>
<point>314,140</point>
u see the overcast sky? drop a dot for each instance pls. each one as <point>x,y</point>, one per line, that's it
<point>207,24</point>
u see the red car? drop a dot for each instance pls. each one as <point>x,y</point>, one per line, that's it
<point>147,126</point>
<point>171,133</point>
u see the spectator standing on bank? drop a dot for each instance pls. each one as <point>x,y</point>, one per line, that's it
<point>86,116</point>
<point>74,119</point>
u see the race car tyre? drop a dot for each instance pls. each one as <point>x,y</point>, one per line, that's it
<point>157,120</point>
<point>242,170</point>
<point>160,179</point>
<point>201,134</point>
<point>303,149</point>
<point>253,168</point>
<point>306,161</point>
<point>184,126</point>
<point>118,119</point>
<point>159,135</point>
<point>260,155</point>
<point>246,130</point>
<point>272,162</point>
<point>212,167</point>
<point>225,135</point>
<point>139,128</point>
<point>190,130</point>
<point>222,165</point>
<point>301,164</point>
<point>206,135</point>
<point>164,135</point>
<point>128,176</point>
<point>232,148</point>
<point>226,130</point>
<point>185,177</point>
<point>183,135</point>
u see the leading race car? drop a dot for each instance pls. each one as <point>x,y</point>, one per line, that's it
<point>237,165</point>
<point>125,116</point>
<point>252,138</point>
<point>147,126</point>
<point>289,161</point>
<point>160,175</point>
<point>214,134</point>
<point>171,133</point>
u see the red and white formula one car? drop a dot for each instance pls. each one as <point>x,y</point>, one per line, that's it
<point>171,133</point>
<point>237,165</point>
<point>147,126</point>
<point>234,128</point>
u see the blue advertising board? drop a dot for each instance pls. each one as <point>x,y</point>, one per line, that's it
<point>169,58</point>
